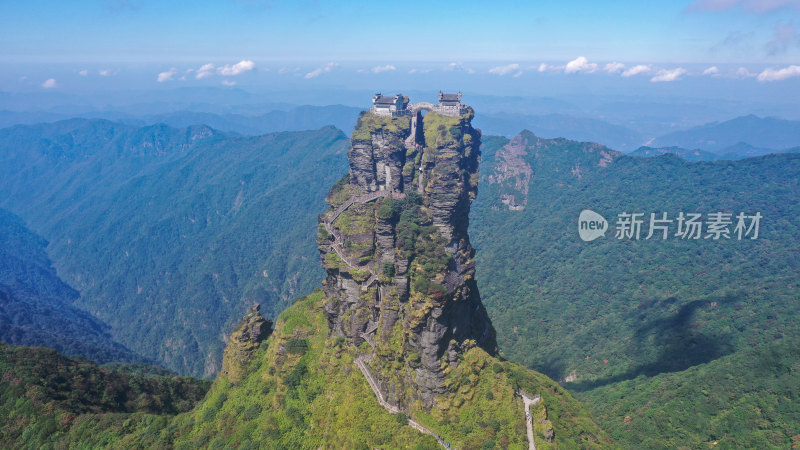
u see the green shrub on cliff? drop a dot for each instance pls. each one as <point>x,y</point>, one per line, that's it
<point>369,124</point>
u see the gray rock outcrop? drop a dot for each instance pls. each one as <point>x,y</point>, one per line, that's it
<point>423,308</point>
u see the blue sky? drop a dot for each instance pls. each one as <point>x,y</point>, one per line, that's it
<point>51,44</point>
<point>714,31</point>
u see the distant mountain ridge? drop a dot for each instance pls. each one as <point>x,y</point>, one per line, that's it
<point>730,136</point>
<point>575,128</point>
<point>689,155</point>
<point>297,118</point>
<point>735,152</point>
<point>737,138</point>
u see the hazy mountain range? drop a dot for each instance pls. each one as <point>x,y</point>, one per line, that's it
<point>740,137</point>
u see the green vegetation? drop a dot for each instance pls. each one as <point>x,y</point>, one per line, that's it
<point>639,324</point>
<point>301,390</point>
<point>341,191</point>
<point>310,399</point>
<point>412,162</point>
<point>420,241</point>
<point>169,234</point>
<point>318,398</point>
<point>36,306</point>
<point>443,131</point>
<point>354,222</point>
<point>483,408</point>
<point>50,401</point>
<point>744,400</point>
<point>369,124</point>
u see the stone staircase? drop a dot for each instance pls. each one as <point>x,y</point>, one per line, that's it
<point>359,362</point>
<point>338,239</point>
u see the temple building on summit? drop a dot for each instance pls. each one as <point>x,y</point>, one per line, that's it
<point>384,105</point>
<point>398,105</point>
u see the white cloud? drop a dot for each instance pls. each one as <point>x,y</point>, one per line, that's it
<point>324,69</point>
<point>505,70</point>
<point>228,70</point>
<point>713,70</point>
<point>386,68</point>
<point>205,71</point>
<point>779,74</point>
<point>228,83</point>
<point>636,70</point>
<point>50,83</point>
<point>742,72</point>
<point>458,66</point>
<point>614,67</point>
<point>237,69</point>
<point>580,64</point>
<point>667,75</point>
<point>84,73</point>
<point>104,73</point>
<point>549,67</point>
<point>168,75</point>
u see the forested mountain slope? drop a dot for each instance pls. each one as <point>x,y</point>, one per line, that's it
<point>170,234</point>
<point>625,315</point>
<point>36,306</point>
<point>51,401</point>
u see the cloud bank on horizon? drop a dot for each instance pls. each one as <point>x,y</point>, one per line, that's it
<point>666,42</point>
<point>580,66</point>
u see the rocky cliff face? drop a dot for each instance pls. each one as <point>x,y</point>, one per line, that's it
<point>400,271</point>
<point>517,166</point>
<point>513,173</point>
<point>243,343</point>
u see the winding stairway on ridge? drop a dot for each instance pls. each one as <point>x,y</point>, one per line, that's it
<point>338,240</point>
<point>359,362</point>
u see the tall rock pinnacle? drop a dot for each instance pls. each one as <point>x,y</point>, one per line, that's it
<point>400,279</point>
<point>243,343</point>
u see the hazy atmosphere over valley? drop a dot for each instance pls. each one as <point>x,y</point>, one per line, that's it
<point>471,225</point>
